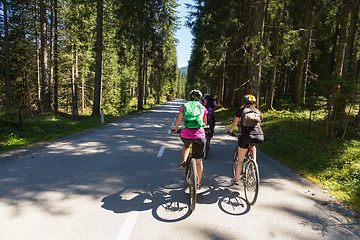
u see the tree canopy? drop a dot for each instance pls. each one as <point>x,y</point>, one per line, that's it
<point>82,55</point>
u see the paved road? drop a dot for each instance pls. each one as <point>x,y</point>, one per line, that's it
<point>121,181</point>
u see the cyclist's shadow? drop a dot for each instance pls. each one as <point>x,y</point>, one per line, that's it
<point>166,206</point>
<point>171,204</point>
<point>232,203</point>
<point>229,201</point>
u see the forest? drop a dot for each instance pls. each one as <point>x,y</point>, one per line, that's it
<point>78,56</point>
<point>305,53</point>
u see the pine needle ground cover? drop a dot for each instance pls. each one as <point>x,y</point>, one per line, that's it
<point>302,145</point>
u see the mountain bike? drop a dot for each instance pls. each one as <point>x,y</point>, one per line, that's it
<point>208,138</point>
<point>191,177</point>
<point>250,174</point>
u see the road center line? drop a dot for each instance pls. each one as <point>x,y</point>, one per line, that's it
<point>128,226</point>
<point>161,151</point>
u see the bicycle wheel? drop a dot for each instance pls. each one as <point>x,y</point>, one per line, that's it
<point>192,182</point>
<point>235,159</point>
<point>251,181</point>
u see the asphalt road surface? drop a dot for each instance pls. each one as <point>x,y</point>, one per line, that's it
<point>121,181</point>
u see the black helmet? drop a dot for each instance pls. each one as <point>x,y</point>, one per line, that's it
<point>249,99</point>
<point>195,94</point>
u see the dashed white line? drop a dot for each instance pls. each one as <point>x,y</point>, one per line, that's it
<point>161,151</point>
<point>128,226</point>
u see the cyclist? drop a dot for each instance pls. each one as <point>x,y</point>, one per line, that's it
<point>247,135</point>
<point>210,104</point>
<point>196,136</point>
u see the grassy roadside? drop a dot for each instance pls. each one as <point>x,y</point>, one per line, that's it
<point>45,127</point>
<point>302,146</point>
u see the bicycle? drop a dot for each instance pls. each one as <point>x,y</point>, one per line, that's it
<point>208,138</point>
<point>250,174</point>
<point>191,177</point>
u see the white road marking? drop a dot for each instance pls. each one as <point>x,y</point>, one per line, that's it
<point>161,151</point>
<point>128,226</point>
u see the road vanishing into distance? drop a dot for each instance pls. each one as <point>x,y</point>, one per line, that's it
<point>121,181</point>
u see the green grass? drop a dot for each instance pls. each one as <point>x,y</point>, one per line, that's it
<point>302,146</point>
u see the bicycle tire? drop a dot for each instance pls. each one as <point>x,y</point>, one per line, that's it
<point>234,162</point>
<point>251,181</point>
<point>192,182</point>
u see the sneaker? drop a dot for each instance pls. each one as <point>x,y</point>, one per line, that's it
<point>182,165</point>
<point>200,184</point>
<point>233,182</point>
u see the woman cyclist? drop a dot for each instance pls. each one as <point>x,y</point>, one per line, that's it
<point>210,104</point>
<point>196,135</point>
<point>247,135</point>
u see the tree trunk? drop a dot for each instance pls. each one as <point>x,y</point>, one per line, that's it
<point>140,79</point>
<point>298,86</point>
<point>231,89</point>
<point>223,79</point>
<point>56,55</point>
<point>296,95</point>
<point>37,59</point>
<point>51,57</point>
<point>339,101</point>
<point>74,84</point>
<point>82,92</point>
<point>307,66</point>
<point>341,40</point>
<point>259,32</point>
<point>98,59</point>
<point>44,62</point>
<point>145,74</point>
<point>271,90</point>
<point>7,58</point>
<point>351,37</point>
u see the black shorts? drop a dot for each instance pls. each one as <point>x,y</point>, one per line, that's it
<point>211,123</point>
<point>245,140</point>
<point>198,146</point>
